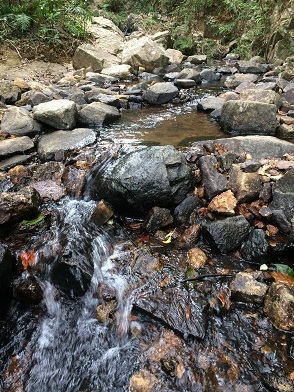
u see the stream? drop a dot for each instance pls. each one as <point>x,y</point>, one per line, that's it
<point>60,346</point>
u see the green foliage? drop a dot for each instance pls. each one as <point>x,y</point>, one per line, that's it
<point>45,19</point>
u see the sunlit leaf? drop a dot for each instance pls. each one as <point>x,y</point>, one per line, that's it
<point>27,258</point>
<point>32,222</point>
<point>167,239</point>
<point>263,267</point>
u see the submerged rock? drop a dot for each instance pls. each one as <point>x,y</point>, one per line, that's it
<point>182,311</point>
<point>140,180</point>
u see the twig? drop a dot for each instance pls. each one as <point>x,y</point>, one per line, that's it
<point>17,51</point>
<point>206,276</point>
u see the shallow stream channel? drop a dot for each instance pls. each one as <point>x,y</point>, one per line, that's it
<point>132,320</point>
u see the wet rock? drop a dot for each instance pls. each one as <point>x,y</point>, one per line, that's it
<point>74,181</point>
<point>182,311</point>
<point>137,181</point>
<point>197,258</point>
<point>256,247</point>
<point>223,204</point>
<point>102,213</point>
<point>190,236</point>
<point>54,142</point>
<point>27,290</point>
<point>49,190</point>
<point>249,118</point>
<point>90,56</point>
<point>278,306</point>
<point>160,93</point>
<point>105,292</point>
<point>18,122</point>
<point>267,96</point>
<point>143,381</point>
<point>210,103</point>
<point>16,205</point>
<point>145,264</point>
<point>227,234</point>
<point>246,288</point>
<point>157,218</point>
<point>59,114</point>
<point>9,92</point>
<point>105,312</point>
<point>283,195</point>
<point>97,114</point>
<point>73,272</point>
<point>213,181</point>
<point>279,219</point>
<point>16,145</point>
<point>184,210</point>
<point>246,186</point>
<point>143,52</point>
<point>190,73</point>
<point>6,264</point>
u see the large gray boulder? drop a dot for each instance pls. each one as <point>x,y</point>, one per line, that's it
<point>97,114</point>
<point>59,114</point>
<point>249,118</point>
<point>136,182</point>
<point>143,52</point>
<point>90,56</point>
<point>160,93</point>
<point>17,145</point>
<point>104,31</point>
<point>18,122</point>
<point>235,80</point>
<point>227,234</point>
<point>57,141</point>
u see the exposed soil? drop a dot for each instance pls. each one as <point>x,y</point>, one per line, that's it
<point>36,60</point>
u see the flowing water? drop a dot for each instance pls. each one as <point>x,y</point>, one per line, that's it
<point>61,346</point>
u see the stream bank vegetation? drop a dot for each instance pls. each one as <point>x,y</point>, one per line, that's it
<point>212,25</point>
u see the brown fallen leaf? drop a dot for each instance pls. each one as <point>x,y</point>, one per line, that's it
<point>282,278</point>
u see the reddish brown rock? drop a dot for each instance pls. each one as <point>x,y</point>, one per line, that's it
<point>49,190</point>
<point>190,235</point>
<point>223,204</point>
<point>102,213</point>
<point>142,381</point>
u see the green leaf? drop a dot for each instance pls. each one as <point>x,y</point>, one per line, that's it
<point>32,222</point>
<point>284,269</point>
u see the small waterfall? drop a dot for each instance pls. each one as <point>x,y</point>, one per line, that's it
<point>69,350</point>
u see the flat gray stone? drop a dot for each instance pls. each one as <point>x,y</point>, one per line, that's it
<point>57,141</point>
<point>14,146</point>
